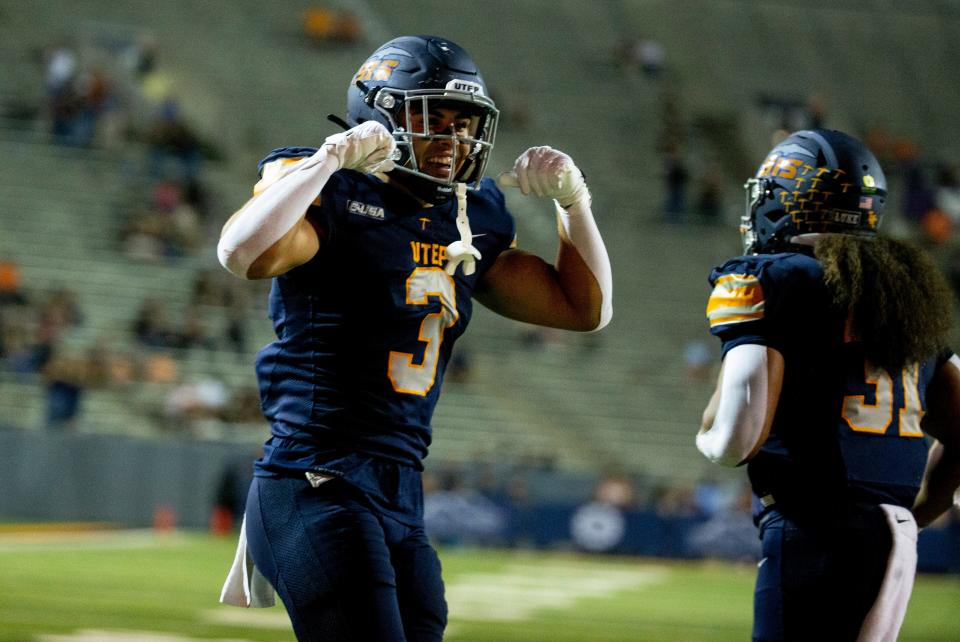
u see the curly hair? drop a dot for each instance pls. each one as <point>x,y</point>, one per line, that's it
<point>901,307</point>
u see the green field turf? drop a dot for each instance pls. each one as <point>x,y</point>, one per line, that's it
<point>141,587</point>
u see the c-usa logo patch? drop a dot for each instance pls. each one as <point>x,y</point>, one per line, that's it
<point>363,209</point>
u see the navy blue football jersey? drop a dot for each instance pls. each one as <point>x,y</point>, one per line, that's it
<point>365,328</point>
<point>844,430</point>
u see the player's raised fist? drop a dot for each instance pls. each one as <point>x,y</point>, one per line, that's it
<point>547,172</point>
<point>367,148</point>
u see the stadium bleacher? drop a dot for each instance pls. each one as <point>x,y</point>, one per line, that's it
<point>621,399</point>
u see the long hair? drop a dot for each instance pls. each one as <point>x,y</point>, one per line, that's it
<point>901,307</point>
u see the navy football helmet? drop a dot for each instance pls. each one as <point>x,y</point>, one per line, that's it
<point>815,181</point>
<point>405,81</point>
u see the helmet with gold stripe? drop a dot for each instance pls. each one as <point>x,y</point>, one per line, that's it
<point>813,182</point>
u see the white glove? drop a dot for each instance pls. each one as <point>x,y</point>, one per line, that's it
<point>367,148</point>
<point>547,172</point>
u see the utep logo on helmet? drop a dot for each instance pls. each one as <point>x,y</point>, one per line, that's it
<point>376,69</point>
<point>466,86</point>
<point>364,209</point>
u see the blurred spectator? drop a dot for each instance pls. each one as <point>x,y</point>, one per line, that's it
<point>11,288</point>
<point>936,226</point>
<point>208,289</point>
<point>159,367</point>
<point>816,112</point>
<point>67,376</point>
<point>729,533</point>
<point>947,196</point>
<point>676,500</point>
<point>235,332</point>
<point>709,203</point>
<point>915,187</point>
<point>194,333</point>
<point>61,69</point>
<point>140,56</point>
<point>170,228</point>
<point>58,313</point>
<point>646,54</point>
<point>19,351</point>
<point>175,149</point>
<point>244,407</point>
<point>195,401</point>
<point>150,327</point>
<point>698,361</point>
<point>322,24</point>
<point>616,490</point>
<point>676,177</point>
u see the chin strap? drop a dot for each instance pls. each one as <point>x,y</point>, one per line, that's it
<point>462,251</point>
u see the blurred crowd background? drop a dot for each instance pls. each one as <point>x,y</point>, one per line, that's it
<point>130,130</point>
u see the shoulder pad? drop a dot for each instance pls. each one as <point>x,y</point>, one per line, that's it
<point>285,152</point>
<point>278,164</point>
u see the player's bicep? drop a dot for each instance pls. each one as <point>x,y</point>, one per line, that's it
<point>293,249</point>
<point>522,286</point>
<point>942,418</point>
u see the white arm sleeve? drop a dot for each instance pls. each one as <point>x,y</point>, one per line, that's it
<point>742,411</point>
<point>576,225</point>
<point>267,217</point>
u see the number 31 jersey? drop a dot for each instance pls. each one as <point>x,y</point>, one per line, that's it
<point>844,430</point>
<point>365,329</point>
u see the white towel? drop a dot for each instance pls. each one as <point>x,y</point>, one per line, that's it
<point>882,623</point>
<point>246,586</point>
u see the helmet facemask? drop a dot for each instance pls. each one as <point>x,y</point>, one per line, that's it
<point>412,117</point>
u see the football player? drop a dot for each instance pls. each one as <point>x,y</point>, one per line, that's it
<point>377,242</point>
<point>836,378</point>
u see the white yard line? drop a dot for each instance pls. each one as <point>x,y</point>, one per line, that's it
<point>87,540</point>
<point>522,589</point>
<point>96,635</point>
<point>273,618</point>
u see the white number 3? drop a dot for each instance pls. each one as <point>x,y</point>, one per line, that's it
<point>417,378</point>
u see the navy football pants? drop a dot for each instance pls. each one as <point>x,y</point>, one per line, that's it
<point>819,583</point>
<point>343,571</point>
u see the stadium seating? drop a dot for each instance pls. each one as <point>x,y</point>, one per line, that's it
<point>622,399</point>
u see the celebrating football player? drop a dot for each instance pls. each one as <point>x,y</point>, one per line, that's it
<point>377,242</point>
<point>835,370</point>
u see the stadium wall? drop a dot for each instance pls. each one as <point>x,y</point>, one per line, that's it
<point>128,482</point>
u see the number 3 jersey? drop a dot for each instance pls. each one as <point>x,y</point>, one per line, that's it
<point>844,430</point>
<point>365,328</point>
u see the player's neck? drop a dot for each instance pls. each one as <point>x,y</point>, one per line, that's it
<point>399,186</point>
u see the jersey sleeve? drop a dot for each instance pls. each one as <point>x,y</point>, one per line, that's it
<point>279,163</point>
<point>765,300</point>
<point>737,307</point>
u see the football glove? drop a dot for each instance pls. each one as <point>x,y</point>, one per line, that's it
<point>367,148</point>
<point>549,173</point>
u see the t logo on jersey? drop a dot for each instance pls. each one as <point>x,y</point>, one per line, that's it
<point>363,209</point>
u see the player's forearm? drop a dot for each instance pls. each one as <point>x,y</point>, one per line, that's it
<point>940,483</point>
<point>268,217</point>
<point>590,293</point>
<point>738,418</point>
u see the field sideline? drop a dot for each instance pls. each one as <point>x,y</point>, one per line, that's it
<point>138,586</point>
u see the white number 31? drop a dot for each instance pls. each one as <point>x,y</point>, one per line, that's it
<point>877,417</point>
